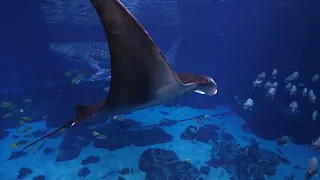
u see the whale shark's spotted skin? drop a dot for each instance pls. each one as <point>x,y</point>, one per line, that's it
<point>96,53</point>
<point>93,53</point>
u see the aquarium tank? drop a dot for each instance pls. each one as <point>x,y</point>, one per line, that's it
<point>159,89</point>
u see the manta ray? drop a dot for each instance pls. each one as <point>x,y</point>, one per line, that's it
<point>140,75</point>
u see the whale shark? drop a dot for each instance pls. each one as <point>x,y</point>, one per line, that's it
<point>96,53</point>
<point>140,75</point>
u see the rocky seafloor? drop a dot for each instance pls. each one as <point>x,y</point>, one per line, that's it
<point>154,144</point>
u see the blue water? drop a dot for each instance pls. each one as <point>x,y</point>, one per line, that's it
<point>195,137</point>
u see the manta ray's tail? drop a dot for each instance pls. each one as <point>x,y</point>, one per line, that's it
<point>83,112</point>
<point>42,138</point>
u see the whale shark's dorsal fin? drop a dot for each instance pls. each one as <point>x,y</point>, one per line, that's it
<point>138,68</point>
<point>172,51</point>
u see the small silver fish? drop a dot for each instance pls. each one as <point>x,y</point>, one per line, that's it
<point>316,145</point>
<point>102,137</point>
<point>312,168</point>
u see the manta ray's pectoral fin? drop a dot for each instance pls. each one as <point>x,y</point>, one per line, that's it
<point>138,68</point>
<point>84,112</point>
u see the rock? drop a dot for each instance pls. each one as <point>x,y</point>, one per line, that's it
<point>42,132</point>
<point>47,151</point>
<point>284,160</point>
<point>208,133</point>
<point>167,122</point>
<point>83,172</point>
<point>90,160</point>
<point>3,134</point>
<point>215,163</point>
<point>205,170</point>
<point>124,171</point>
<point>151,158</point>
<point>74,141</point>
<point>259,155</point>
<point>80,136</point>
<point>152,136</point>
<point>290,177</point>
<point>116,139</point>
<point>177,170</point>
<point>39,177</point>
<point>116,133</point>
<point>190,133</point>
<point>244,163</point>
<point>68,153</point>
<point>24,172</point>
<point>120,134</point>
<point>227,136</point>
<point>164,113</point>
<point>165,164</point>
<point>126,124</point>
<point>121,178</point>
<point>299,167</point>
<point>15,137</point>
<point>245,128</point>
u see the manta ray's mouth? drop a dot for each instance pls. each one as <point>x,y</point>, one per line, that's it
<point>210,88</point>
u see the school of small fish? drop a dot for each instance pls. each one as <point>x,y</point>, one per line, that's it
<point>271,89</point>
<point>292,87</point>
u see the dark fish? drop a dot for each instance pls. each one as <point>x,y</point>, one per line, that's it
<point>41,145</point>
<point>93,160</point>
<point>282,140</point>
<point>223,123</point>
<point>298,167</point>
<point>90,160</point>
<point>47,151</point>
<point>21,142</point>
<point>290,177</point>
<point>15,137</point>
<point>167,122</point>
<point>316,145</point>
<point>27,136</point>
<point>140,75</point>
<point>164,113</point>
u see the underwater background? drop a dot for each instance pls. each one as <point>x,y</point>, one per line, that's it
<point>53,57</point>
